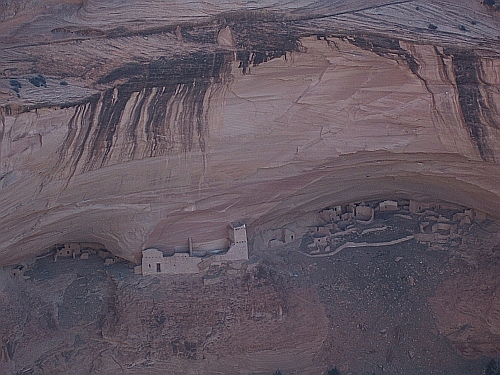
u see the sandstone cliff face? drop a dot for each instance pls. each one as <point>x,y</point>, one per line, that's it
<point>391,309</point>
<point>136,134</point>
<point>137,124</point>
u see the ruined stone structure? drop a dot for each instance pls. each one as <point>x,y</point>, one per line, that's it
<point>438,229</point>
<point>239,245</point>
<point>80,249</point>
<point>388,206</point>
<point>364,214</point>
<point>154,262</point>
<point>71,249</point>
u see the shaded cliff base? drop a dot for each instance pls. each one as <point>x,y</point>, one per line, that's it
<point>407,308</point>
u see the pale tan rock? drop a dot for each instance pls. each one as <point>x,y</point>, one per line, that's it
<point>126,155</point>
<point>225,37</point>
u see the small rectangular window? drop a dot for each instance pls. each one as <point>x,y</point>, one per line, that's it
<point>158,267</point>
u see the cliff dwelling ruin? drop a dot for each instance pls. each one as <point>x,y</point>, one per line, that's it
<point>351,145</point>
<point>154,262</point>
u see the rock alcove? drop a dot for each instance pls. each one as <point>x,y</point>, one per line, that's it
<point>139,125</point>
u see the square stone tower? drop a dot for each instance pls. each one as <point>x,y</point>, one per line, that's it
<point>152,262</point>
<point>239,245</point>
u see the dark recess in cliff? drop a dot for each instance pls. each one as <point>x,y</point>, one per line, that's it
<point>260,36</point>
<point>385,47</point>
<point>79,127</point>
<point>476,113</point>
<point>154,87</point>
<point>259,42</point>
<point>475,109</point>
<point>168,95</point>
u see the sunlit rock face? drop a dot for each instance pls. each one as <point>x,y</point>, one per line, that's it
<point>138,125</point>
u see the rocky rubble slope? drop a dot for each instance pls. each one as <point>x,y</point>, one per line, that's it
<point>409,307</point>
<point>78,317</point>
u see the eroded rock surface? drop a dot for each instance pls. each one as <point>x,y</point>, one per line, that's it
<point>140,124</point>
<point>78,317</point>
<point>130,133</point>
<point>382,308</point>
<point>467,305</point>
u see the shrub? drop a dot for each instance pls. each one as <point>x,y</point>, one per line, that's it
<point>332,371</point>
<point>493,367</point>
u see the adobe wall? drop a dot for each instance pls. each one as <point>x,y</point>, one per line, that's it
<point>180,263</point>
<point>238,251</point>
<point>154,262</point>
